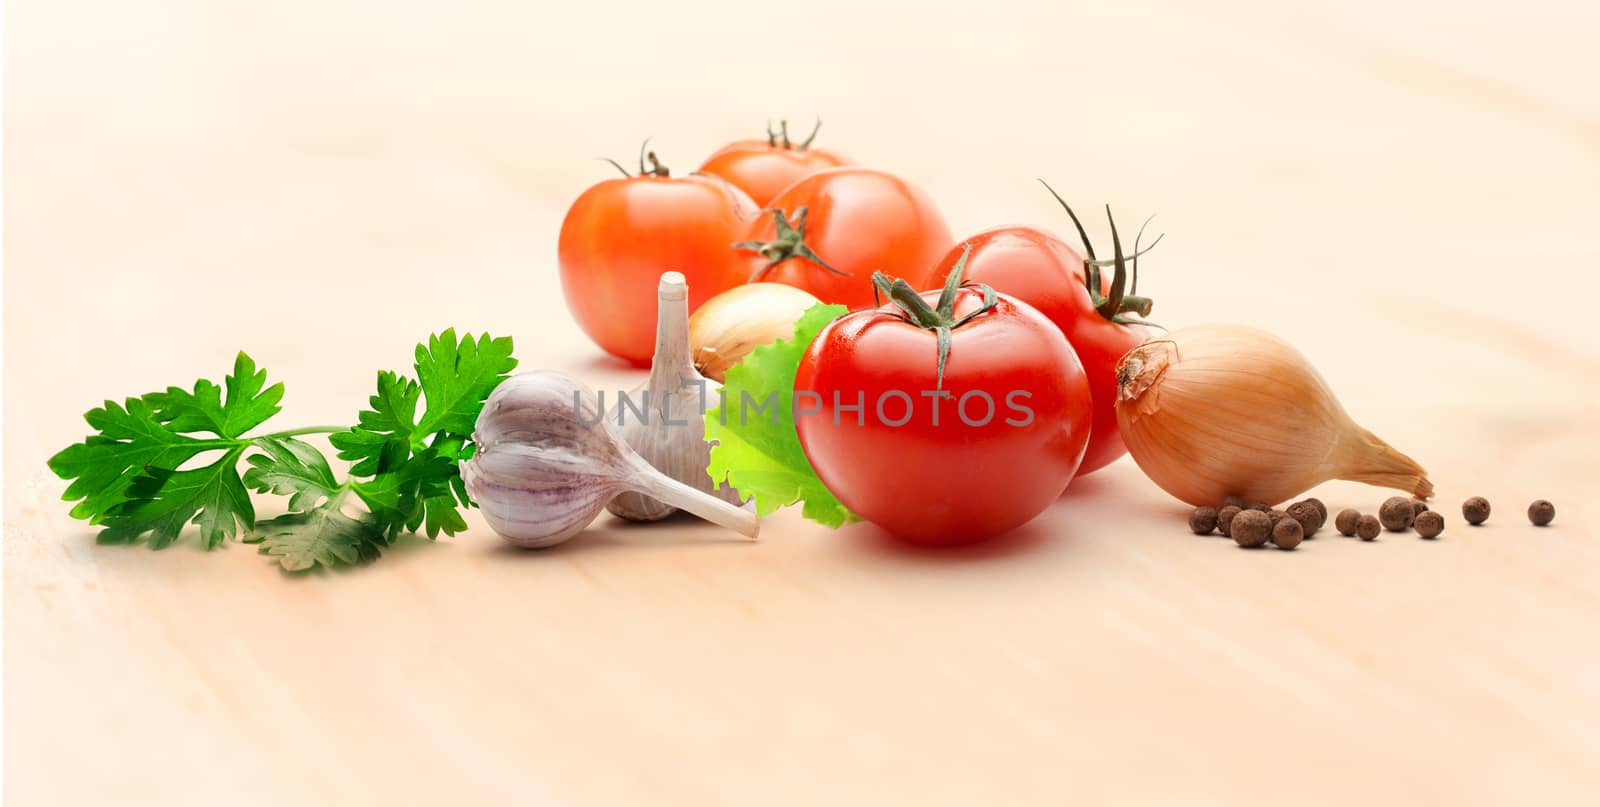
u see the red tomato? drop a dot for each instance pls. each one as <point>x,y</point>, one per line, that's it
<point>763,168</point>
<point>833,229</point>
<point>622,234</point>
<point>1043,271</point>
<point>943,460</point>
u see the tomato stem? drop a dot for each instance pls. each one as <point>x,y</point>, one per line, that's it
<point>789,243</point>
<point>783,133</point>
<point>942,319</point>
<point>1122,299</point>
<point>806,143</point>
<point>656,169</point>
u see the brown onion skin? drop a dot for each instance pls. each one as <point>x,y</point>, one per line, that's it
<point>1217,410</point>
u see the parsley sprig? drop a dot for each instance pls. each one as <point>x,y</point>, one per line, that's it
<point>164,460</point>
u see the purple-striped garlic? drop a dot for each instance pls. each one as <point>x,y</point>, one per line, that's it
<point>547,463</point>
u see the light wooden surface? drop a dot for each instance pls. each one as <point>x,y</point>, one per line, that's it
<point>1406,190</point>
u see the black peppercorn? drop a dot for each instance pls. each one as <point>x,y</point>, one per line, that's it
<point>1475,510</point>
<point>1541,513</point>
<point>1250,528</point>
<point>1225,517</point>
<point>1346,522</point>
<point>1321,508</point>
<point>1232,501</point>
<point>1286,534</point>
<point>1418,507</point>
<point>1203,520</point>
<point>1395,514</point>
<point>1309,517</point>
<point>1429,524</point>
<point>1367,528</point>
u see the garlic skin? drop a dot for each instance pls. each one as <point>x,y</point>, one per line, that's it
<point>546,462</point>
<point>728,326</point>
<point>1220,410</point>
<point>671,435</point>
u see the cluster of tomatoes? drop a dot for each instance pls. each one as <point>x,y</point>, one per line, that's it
<point>1025,319</point>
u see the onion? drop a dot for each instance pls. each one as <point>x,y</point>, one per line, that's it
<point>1225,410</point>
<point>728,326</point>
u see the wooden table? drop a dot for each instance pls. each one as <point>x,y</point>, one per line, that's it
<point>1405,191</point>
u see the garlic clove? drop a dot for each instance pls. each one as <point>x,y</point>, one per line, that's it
<point>664,423</point>
<point>1220,410</point>
<point>728,326</point>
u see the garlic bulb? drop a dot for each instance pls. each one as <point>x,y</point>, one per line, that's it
<point>1222,410</point>
<point>730,325</point>
<point>665,422</point>
<point>547,462</point>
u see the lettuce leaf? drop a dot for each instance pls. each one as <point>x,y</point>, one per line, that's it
<point>760,458</point>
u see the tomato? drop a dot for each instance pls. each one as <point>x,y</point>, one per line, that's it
<point>620,235</point>
<point>943,458</point>
<point>1043,271</point>
<point>829,232</point>
<point>763,168</point>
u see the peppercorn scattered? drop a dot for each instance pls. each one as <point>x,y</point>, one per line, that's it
<point>1232,501</point>
<point>1286,534</point>
<point>1418,507</point>
<point>1322,510</point>
<point>1475,510</point>
<point>1367,527</point>
<point>1225,517</point>
<point>1250,528</point>
<point>1429,524</point>
<point>1541,513</point>
<point>1346,521</point>
<point>1277,515</point>
<point>1203,520</point>
<point>1395,514</point>
<point>1309,517</point>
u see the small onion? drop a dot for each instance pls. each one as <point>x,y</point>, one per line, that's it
<point>1224,410</point>
<point>730,325</point>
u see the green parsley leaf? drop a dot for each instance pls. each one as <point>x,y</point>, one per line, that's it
<point>248,405</point>
<point>405,452</point>
<point>161,501</point>
<point>292,468</point>
<point>127,474</point>
<point>413,457</point>
<point>324,535</point>
<point>102,467</point>
<point>456,378</point>
<point>761,459</point>
<point>381,440</point>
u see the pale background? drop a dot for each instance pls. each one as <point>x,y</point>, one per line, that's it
<point>1406,190</point>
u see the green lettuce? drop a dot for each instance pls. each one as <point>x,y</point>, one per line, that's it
<point>761,459</point>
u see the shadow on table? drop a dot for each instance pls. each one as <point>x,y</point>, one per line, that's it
<point>880,545</point>
<point>677,530</point>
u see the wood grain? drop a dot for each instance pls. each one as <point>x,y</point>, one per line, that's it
<point>1403,191</point>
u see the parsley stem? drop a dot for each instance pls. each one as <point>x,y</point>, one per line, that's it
<point>305,430</point>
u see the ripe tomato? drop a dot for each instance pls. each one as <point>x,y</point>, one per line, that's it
<point>829,232</point>
<point>620,235</point>
<point>763,168</point>
<point>943,457</point>
<point>1043,271</point>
